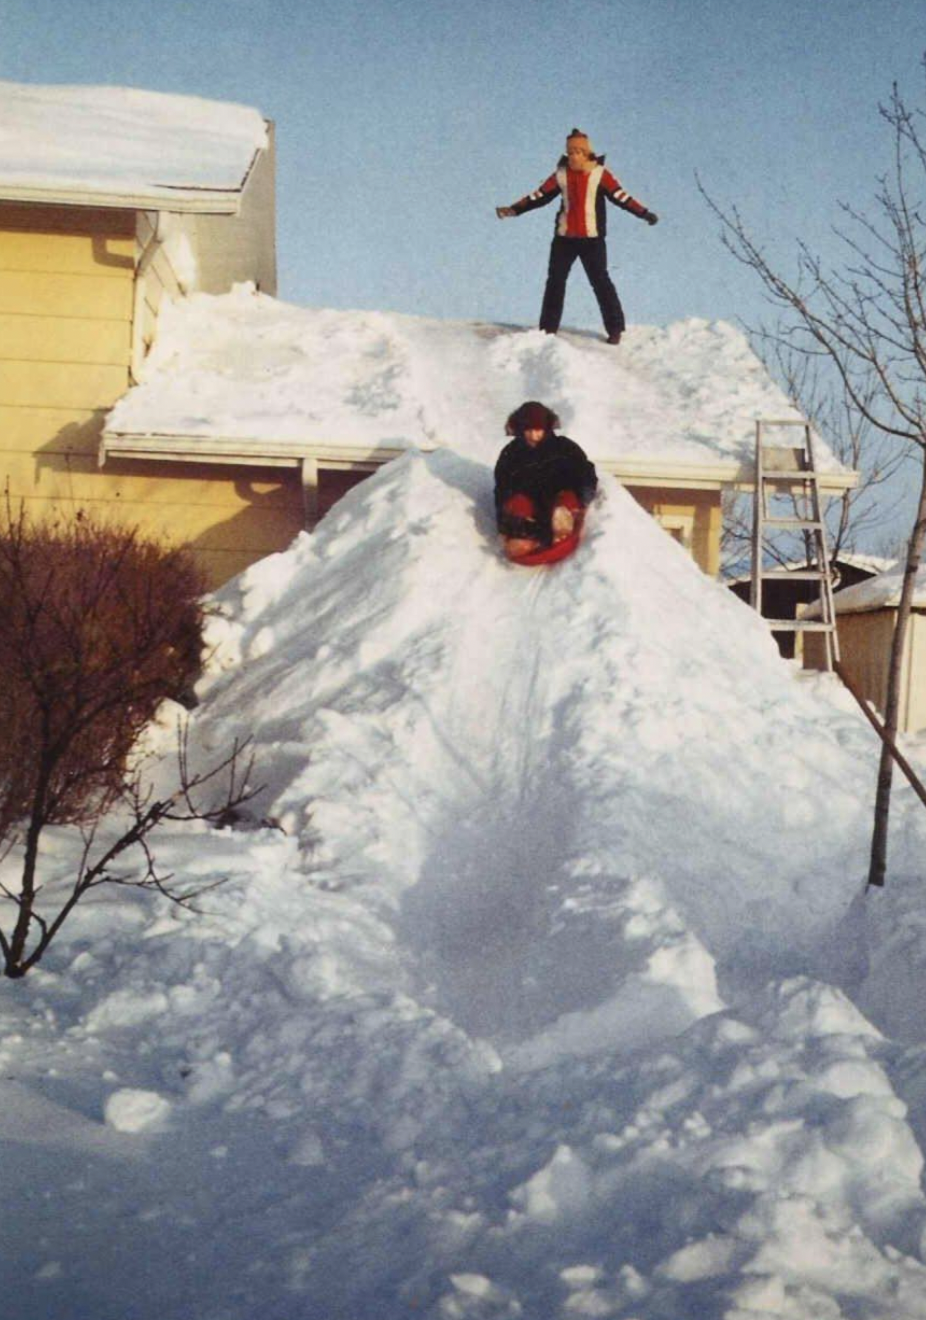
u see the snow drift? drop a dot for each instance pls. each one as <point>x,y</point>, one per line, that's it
<point>531,993</point>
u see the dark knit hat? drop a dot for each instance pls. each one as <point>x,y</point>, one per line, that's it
<point>578,136</point>
<point>531,416</point>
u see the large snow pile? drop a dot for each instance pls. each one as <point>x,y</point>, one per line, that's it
<point>244,366</point>
<point>121,140</point>
<point>538,988</point>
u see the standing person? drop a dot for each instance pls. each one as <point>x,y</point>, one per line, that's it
<point>582,183</point>
<point>543,481</point>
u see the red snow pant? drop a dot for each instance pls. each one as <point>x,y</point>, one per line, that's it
<point>524,508</point>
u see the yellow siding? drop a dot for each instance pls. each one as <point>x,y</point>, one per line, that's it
<point>27,431</point>
<point>108,228</point>
<point>51,339</point>
<point>70,254</point>
<point>157,281</point>
<point>692,516</point>
<point>53,475</point>
<point>62,385</point>
<point>66,306</point>
<point>48,293</point>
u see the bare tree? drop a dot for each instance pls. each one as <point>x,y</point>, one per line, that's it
<point>866,319</point>
<point>97,626</point>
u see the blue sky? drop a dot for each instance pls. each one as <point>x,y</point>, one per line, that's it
<point>400,127</point>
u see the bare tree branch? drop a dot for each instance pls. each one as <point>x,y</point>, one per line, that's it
<point>867,321</point>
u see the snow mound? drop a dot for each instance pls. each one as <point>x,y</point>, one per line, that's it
<point>533,768</point>
<point>519,1000</point>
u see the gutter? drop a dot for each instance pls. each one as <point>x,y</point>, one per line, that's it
<point>200,201</point>
<point>149,252</point>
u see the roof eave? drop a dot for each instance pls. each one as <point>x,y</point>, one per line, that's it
<point>830,482</point>
<point>235,449</point>
<point>288,452</point>
<point>185,201</point>
<point>666,472</point>
<point>202,201</point>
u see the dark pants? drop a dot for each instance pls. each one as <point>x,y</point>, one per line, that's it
<point>594,258</point>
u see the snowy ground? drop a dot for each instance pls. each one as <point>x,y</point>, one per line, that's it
<point>543,983</point>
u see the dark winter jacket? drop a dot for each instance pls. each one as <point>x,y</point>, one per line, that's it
<point>582,196</point>
<point>542,471</point>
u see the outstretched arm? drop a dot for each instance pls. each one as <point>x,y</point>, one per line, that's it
<point>542,196</point>
<point>620,197</point>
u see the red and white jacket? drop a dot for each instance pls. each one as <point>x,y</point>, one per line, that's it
<point>582,194</point>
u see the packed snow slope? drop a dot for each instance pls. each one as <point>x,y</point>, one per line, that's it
<point>543,984</point>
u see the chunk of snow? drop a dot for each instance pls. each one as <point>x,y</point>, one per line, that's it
<point>133,1110</point>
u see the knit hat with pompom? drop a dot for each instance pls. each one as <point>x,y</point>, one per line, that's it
<point>532,416</point>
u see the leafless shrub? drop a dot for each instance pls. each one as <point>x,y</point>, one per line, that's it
<point>97,627</point>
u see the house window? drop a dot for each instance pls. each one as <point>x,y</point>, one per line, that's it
<point>679,526</point>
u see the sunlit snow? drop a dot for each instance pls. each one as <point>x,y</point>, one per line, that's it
<point>543,984</point>
<point>248,367</point>
<point>123,140</point>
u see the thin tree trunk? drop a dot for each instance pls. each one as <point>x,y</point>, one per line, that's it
<point>37,822</point>
<point>878,860</point>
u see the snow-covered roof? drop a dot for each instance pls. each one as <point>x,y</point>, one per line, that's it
<point>117,146</point>
<point>865,563</point>
<point>881,592</point>
<point>244,374</point>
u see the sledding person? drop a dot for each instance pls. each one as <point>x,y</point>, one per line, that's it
<point>582,183</point>
<point>542,481</point>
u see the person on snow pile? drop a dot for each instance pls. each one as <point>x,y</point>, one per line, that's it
<point>582,183</point>
<point>542,482</point>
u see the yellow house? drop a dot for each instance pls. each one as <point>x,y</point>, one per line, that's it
<point>110,201</point>
<point>118,208</point>
<point>328,396</point>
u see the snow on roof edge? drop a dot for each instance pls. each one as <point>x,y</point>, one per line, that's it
<point>244,366</point>
<point>120,146</point>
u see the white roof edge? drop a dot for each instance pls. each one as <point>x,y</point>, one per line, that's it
<point>235,449</point>
<point>204,201</point>
<point>640,470</point>
<point>161,197</point>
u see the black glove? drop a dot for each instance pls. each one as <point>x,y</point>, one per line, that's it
<point>650,217</point>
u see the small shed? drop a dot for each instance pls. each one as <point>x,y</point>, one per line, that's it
<point>113,201</point>
<point>866,616</point>
<point>783,598</point>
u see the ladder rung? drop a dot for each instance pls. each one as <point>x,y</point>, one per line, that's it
<point>800,625</point>
<point>792,522</point>
<point>794,574</point>
<point>792,475</point>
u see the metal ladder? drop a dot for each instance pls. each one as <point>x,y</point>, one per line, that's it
<point>789,470</point>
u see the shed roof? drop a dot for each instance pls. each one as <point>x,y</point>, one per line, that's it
<point>243,376</point>
<point>880,593</point>
<point>117,146</point>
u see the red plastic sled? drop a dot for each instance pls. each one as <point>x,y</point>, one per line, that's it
<point>552,554</point>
